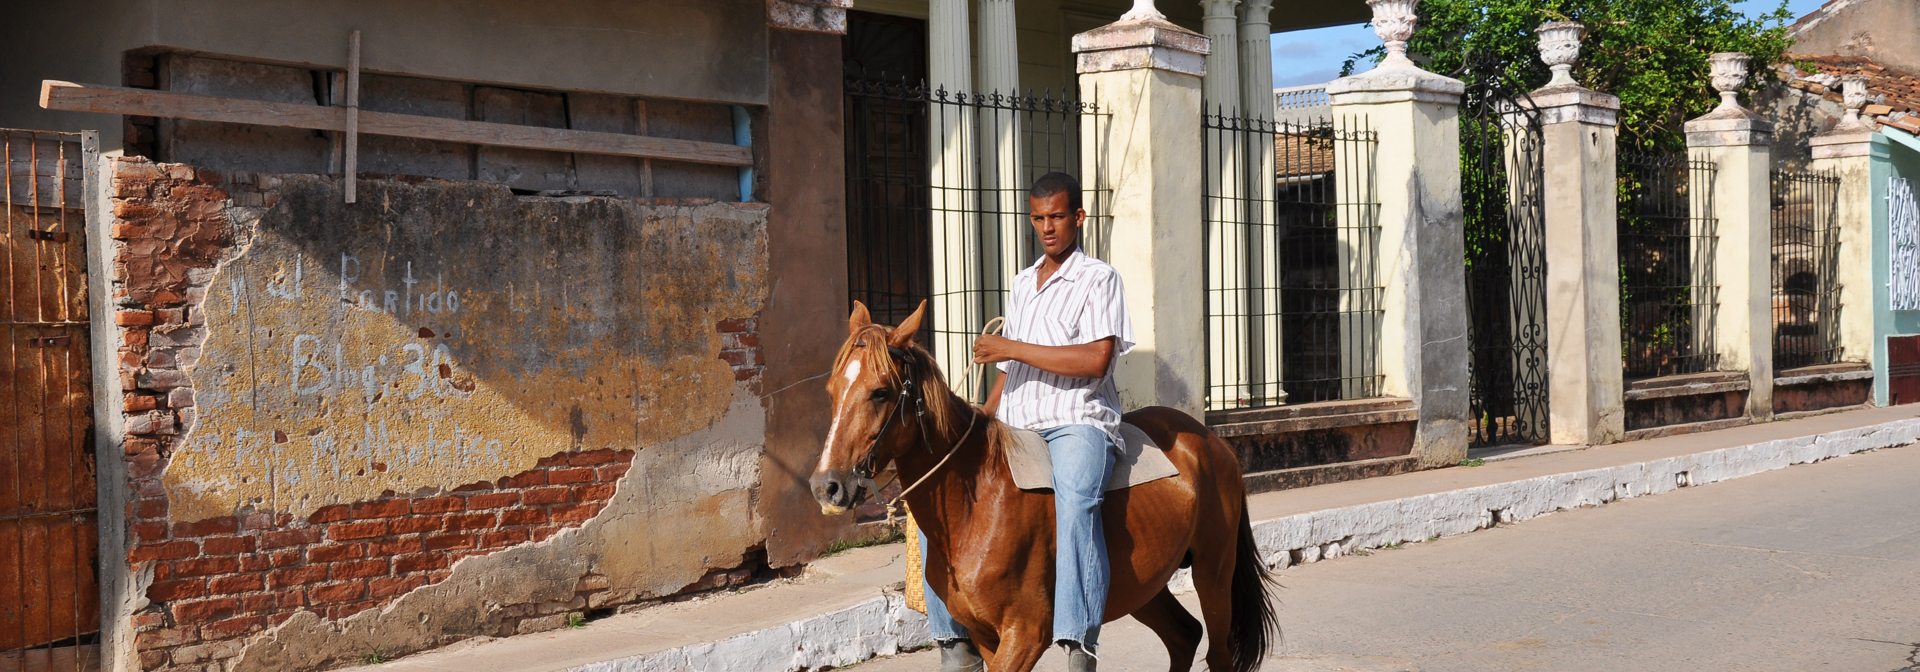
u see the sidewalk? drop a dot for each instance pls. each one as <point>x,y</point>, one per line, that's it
<point>847,608</point>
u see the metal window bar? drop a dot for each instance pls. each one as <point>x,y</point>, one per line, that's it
<point>1291,251</point>
<point>937,187</point>
<point>49,601</point>
<point>1806,258</point>
<point>1669,296</point>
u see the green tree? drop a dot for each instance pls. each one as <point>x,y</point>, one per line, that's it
<point>1650,53</point>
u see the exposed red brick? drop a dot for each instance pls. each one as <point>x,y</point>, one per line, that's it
<point>419,563</point>
<point>416,524</point>
<point>574,475</point>
<point>265,561</point>
<point>332,513</point>
<point>392,586</point>
<point>592,457</point>
<point>257,521</point>
<point>141,402</point>
<point>298,576</point>
<point>336,552</point>
<point>735,326</point>
<point>337,593</point>
<point>167,551</point>
<point>180,589</point>
<point>205,610</point>
<point>293,537</point>
<point>474,487</point>
<point>503,538</point>
<point>492,500</point>
<point>441,542</point>
<point>285,599</point>
<point>133,318</point>
<point>471,521</point>
<point>148,532</point>
<point>574,514</point>
<point>206,566</point>
<point>237,583</point>
<point>541,534</point>
<point>611,472</point>
<point>366,530</point>
<point>523,517</point>
<point>438,504</point>
<point>232,627</point>
<point>526,480</point>
<point>210,526</point>
<point>556,460</point>
<point>393,547</point>
<point>544,496</point>
<point>274,620</point>
<point>382,509</point>
<point>150,509</point>
<point>227,545</point>
<point>745,374</point>
<point>164,637</point>
<point>597,492</point>
<point>359,569</point>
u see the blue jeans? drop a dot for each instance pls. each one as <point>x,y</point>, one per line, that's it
<point>1082,460</point>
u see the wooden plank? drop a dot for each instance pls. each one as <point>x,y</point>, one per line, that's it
<point>70,97</point>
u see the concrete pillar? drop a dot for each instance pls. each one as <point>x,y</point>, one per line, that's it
<point>1222,78</point>
<point>1847,151</point>
<point>1007,238</point>
<point>953,174</point>
<point>1585,391</point>
<point>1423,334</point>
<point>1145,72</point>
<point>1739,144</point>
<point>1225,182</point>
<point>1262,240</point>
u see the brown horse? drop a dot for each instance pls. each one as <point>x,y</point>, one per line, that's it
<point>991,545</point>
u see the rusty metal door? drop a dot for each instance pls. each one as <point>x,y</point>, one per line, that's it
<point>49,601</point>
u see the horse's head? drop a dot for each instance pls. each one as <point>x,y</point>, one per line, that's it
<point>875,401</point>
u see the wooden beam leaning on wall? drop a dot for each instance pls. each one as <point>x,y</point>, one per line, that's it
<point>71,97</point>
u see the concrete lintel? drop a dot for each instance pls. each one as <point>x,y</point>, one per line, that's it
<point>814,16</point>
<point>1841,144</point>
<point>1723,129</point>
<point>1141,44</point>
<point>1561,104</point>
<point>1393,84</point>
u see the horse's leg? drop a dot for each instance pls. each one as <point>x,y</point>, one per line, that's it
<point>1213,580</point>
<point>1020,648</point>
<point>1177,629</point>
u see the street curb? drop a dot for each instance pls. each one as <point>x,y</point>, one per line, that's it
<point>885,626</point>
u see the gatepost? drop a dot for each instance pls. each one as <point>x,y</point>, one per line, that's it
<point>1145,72</point>
<point>1846,151</point>
<point>1423,339</point>
<point>1739,144</point>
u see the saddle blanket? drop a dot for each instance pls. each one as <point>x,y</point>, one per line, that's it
<point>1140,461</point>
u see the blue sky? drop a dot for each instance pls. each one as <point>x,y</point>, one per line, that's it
<point>1314,56</point>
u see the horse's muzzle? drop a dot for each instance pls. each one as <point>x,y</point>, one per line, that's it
<point>836,493</point>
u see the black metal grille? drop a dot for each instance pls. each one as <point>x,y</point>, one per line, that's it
<point>1291,253</point>
<point>1668,292</point>
<point>1502,178</point>
<point>1806,255</point>
<point>937,205</point>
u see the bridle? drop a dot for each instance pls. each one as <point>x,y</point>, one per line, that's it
<point>908,393</point>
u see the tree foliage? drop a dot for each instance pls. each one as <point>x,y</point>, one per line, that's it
<point>1650,53</point>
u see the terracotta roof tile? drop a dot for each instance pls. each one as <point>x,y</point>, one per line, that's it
<point>1898,91</point>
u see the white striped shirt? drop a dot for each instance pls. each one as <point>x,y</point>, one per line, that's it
<point>1081,303</point>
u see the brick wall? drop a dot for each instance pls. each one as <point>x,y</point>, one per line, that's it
<point>215,582</point>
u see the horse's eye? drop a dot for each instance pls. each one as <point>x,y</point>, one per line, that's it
<point>879,394</point>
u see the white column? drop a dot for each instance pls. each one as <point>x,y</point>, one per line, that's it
<point>1227,327</point>
<point>1585,388</point>
<point>952,152</point>
<point>1256,102</point>
<point>1006,238</point>
<point>1146,73</point>
<point>1739,144</point>
<point>1423,332</point>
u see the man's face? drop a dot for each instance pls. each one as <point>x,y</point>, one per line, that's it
<point>1055,222</point>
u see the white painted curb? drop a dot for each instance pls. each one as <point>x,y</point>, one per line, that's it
<point>885,626</point>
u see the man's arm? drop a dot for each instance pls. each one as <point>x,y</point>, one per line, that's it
<point>1086,360</point>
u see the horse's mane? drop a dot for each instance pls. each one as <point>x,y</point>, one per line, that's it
<point>948,413</point>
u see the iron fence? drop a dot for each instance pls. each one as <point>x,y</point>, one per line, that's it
<point>937,202</point>
<point>1806,257</point>
<point>1669,296</point>
<point>1291,237</point>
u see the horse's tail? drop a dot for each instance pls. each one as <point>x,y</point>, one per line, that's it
<point>1254,620</point>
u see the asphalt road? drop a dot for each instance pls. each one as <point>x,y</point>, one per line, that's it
<point>1813,567</point>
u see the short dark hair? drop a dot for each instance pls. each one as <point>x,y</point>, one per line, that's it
<point>1054,183</point>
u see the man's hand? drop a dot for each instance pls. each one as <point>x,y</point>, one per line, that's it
<point>1086,360</point>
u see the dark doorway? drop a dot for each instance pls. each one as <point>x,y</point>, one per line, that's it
<point>888,253</point>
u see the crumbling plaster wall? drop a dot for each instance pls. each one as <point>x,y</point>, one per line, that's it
<point>445,411</point>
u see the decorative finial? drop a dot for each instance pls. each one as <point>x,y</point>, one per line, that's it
<point>1853,94</point>
<point>1142,11</point>
<point>1559,48</point>
<point>1393,21</point>
<point>1729,70</point>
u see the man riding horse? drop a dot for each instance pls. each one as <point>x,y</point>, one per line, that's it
<point>1011,571</point>
<point>1066,325</point>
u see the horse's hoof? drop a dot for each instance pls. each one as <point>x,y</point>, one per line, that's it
<point>959,655</point>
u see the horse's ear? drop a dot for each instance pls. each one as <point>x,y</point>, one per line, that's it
<point>860,320</point>
<point>903,334</point>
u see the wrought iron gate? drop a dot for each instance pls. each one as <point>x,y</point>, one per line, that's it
<point>49,601</point>
<point>1501,178</point>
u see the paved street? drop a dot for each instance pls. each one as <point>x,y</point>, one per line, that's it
<point>1809,568</point>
